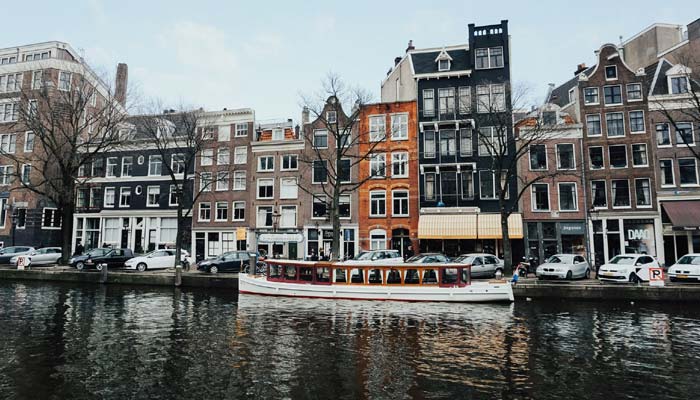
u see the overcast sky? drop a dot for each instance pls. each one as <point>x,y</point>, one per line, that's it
<point>263,55</point>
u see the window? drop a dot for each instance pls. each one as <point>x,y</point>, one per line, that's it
<point>634,91</point>
<point>224,133</point>
<point>621,193</point>
<point>204,211</point>
<point>266,188</point>
<point>399,165</point>
<point>540,197</point>
<point>679,85</point>
<point>491,57</point>
<point>639,155</point>
<point>637,121</point>
<point>642,188</point>
<point>95,197</point>
<point>483,99</point>
<point>6,174</point>
<point>37,79</point>
<point>277,134</point>
<point>239,210</point>
<point>153,196</point>
<point>288,217</point>
<point>599,194</point>
<point>155,165</point>
<point>51,218</point>
<point>487,188</point>
<point>613,95</point>
<point>566,158</point>
<point>400,203</point>
<point>221,211</point>
<point>319,207</point>
<point>331,117</point>
<point>127,165</point>
<point>343,138</point>
<point>667,178</point>
<point>549,118</point>
<point>208,133</point>
<point>344,206</point>
<point>429,186</point>
<point>241,129</point>
<point>111,166</point>
<point>172,195</point>
<point>490,141</point>
<point>429,144</point>
<point>33,110</point>
<point>290,162</point>
<point>29,142</point>
<point>467,185</point>
<point>377,165</point>
<point>266,163</point>
<point>618,156</point>
<point>321,139</point>
<point>443,65</point>
<point>344,170</point>
<point>615,124</point>
<point>465,142</point>
<point>684,134</point>
<point>663,135</point>
<point>206,157</point>
<point>448,145</point>
<point>596,157</point>
<point>538,157</point>
<point>239,182</point>
<point>125,197</point>
<point>21,217</point>
<point>64,81</point>
<point>688,171</point>
<point>377,241</point>
<point>319,171</point>
<point>567,197</point>
<point>377,201</point>
<point>399,127</point>
<point>288,188</point>
<point>222,179</point>
<point>590,95</point>
<point>82,198</point>
<point>109,197</point>
<point>446,102</point>
<point>428,103</point>
<point>498,96</point>
<point>465,100</point>
<point>240,155</point>
<point>593,125</point>
<point>8,143</point>
<point>223,157</point>
<point>264,216</point>
<point>377,129</point>
<point>177,163</point>
<point>611,72</point>
<point>205,181</point>
<point>26,174</point>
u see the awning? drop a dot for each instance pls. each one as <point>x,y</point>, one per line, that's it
<point>447,226</point>
<point>683,214</point>
<point>490,226</point>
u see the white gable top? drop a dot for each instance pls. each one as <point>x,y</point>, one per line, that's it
<point>679,69</point>
<point>444,55</point>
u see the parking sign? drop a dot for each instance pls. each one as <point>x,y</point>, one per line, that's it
<point>656,276</point>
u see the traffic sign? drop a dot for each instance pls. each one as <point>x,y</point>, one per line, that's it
<point>21,262</point>
<point>656,276</point>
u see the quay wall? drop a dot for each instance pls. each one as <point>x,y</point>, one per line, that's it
<point>603,292</point>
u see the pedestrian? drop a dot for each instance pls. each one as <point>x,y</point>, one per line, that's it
<point>322,255</point>
<point>514,280</point>
<point>408,253</point>
<point>313,256</point>
<point>79,248</point>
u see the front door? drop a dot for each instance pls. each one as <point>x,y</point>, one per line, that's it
<point>125,239</point>
<point>292,251</point>
<point>199,247</point>
<point>151,240</point>
<point>138,241</point>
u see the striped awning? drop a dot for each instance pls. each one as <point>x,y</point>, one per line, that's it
<point>489,226</point>
<point>447,226</point>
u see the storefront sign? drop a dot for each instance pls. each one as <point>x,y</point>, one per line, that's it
<point>280,238</point>
<point>638,234</point>
<point>241,234</point>
<point>571,228</point>
<point>327,234</point>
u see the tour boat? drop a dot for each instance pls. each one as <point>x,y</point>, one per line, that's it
<point>447,282</point>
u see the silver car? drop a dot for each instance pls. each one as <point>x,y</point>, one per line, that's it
<point>483,265</point>
<point>564,266</point>
<point>43,256</point>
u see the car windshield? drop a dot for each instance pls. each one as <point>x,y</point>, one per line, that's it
<point>558,260</point>
<point>97,252</point>
<point>415,258</point>
<point>623,260</point>
<point>367,255</point>
<point>464,259</point>
<point>692,260</point>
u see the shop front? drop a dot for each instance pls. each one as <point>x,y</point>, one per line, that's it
<point>284,245</point>
<point>213,242</point>
<point>546,238</point>
<point>320,238</point>
<point>613,236</point>
<point>681,228</point>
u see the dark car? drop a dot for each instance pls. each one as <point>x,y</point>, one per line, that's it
<point>428,258</point>
<point>232,261</point>
<point>96,258</point>
<point>7,253</point>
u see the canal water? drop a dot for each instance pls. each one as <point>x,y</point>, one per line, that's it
<point>62,341</point>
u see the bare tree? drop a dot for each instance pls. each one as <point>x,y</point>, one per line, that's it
<point>72,119</point>
<point>333,157</point>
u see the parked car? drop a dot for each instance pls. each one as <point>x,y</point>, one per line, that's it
<point>158,259</point>
<point>564,266</point>
<point>232,261</point>
<point>96,258</point>
<point>43,256</point>
<point>627,268</point>
<point>483,265</point>
<point>7,253</point>
<point>377,256</point>
<point>426,258</point>
<point>687,267</point>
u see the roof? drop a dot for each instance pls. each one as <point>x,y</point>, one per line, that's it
<point>560,94</point>
<point>425,62</point>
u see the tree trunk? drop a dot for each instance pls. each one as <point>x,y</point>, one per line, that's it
<point>178,236</point>
<point>507,250</point>
<point>66,233</point>
<point>335,216</point>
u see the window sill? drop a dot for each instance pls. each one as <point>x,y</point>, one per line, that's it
<point>220,220</point>
<point>634,100</point>
<point>541,211</point>
<point>152,205</point>
<point>638,132</point>
<point>690,185</point>
<point>640,166</point>
<point>378,216</point>
<point>591,104</point>
<point>286,170</point>
<point>613,104</point>
<point>664,146</point>
<point>399,139</point>
<point>400,215</point>
<point>568,211</point>
<point>645,206</point>
<point>668,186</point>
<point>622,207</point>
<point>685,145</point>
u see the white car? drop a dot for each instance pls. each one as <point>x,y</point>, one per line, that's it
<point>377,257</point>
<point>43,256</point>
<point>483,265</point>
<point>687,267</point>
<point>158,259</point>
<point>627,268</point>
<point>564,266</point>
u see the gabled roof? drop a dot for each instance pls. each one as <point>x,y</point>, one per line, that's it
<point>560,94</point>
<point>424,62</point>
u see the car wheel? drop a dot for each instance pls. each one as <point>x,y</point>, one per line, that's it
<point>633,278</point>
<point>214,269</point>
<point>141,267</point>
<point>569,276</point>
<point>497,272</point>
<point>588,273</point>
<point>98,267</point>
<point>80,266</point>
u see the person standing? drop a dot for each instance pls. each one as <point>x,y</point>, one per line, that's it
<point>79,248</point>
<point>408,253</point>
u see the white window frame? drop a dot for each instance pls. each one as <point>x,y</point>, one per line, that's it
<point>199,212</point>
<point>277,134</point>
<point>216,211</point>
<point>206,181</point>
<point>26,177</point>
<point>612,194</point>
<point>408,203</point>
<point>172,192</point>
<point>55,215</point>
<point>61,87</point>
<point>697,180</point>
<point>265,182</point>
<point>241,129</point>
<point>296,216</point>
<point>377,159</point>
<point>622,99</point>
<point>340,201</point>
<point>26,137</point>
<point>258,224</point>
<point>673,174</point>
<point>488,57</point>
<point>400,119</point>
<point>224,133</point>
<point>597,95</point>
<point>148,196</point>
<point>533,198</point>
<point>269,168</point>
<point>644,122</point>
<point>395,160</point>
<point>610,159</point>
<point>226,160</point>
<point>313,169</point>
<point>651,195</point>
<point>493,188</point>
<point>627,92</point>
<point>291,156</point>
<point>546,158</point>
<point>692,135</point>
<point>575,196</point>
<point>291,193</point>
<point>371,200</point>
<point>605,73</point>
<point>377,127</point>
<point>607,125</point>
<point>114,164</point>
<point>334,118</point>
<point>206,158</point>
<point>122,191</point>
<point>242,152</point>
<point>573,153</point>
<point>114,197</point>
<point>150,158</point>
<point>234,208</point>
<point>320,132</point>
<point>130,163</point>
<point>600,125</point>
<point>225,177</point>
<point>235,181</point>
<point>602,151</point>
<point>646,151</point>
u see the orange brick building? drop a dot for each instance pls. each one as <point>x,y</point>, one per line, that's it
<point>388,197</point>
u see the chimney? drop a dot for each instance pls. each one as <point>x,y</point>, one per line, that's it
<point>121,82</point>
<point>397,60</point>
<point>410,46</point>
<point>304,116</point>
<point>580,68</point>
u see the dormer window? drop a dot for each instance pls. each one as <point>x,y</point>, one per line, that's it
<point>444,61</point>
<point>444,65</point>
<point>331,117</point>
<point>278,134</point>
<point>549,118</point>
<point>679,84</point>
<point>610,72</point>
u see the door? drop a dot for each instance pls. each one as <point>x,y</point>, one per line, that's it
<point>138,241</point>
<point>151,240</point>
<point>490,264</point>
<point>231,262</point>
<point>645,262</point>
<point>580,266</point>
<point>478,267</point>
<point>292,251</point>
<point>199,247</point>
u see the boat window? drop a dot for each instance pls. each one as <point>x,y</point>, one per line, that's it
<point>375,276</point>
<point>411,277</point>
<point>449,276</point>
<point>305,274</point>
<point>340,275</point>
<point>465,275</point>
<point>429,276</point>
<point>290,273</point>
<point>275,271</point>
<point>357,276</point>
<point>323,274</point>
<point>393,276</point>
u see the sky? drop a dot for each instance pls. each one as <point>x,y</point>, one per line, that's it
<point>265,55</point>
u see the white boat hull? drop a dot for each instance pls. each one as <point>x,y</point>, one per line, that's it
<point>475,292</point>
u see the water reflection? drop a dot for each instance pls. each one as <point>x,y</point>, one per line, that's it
<point>65,341</point>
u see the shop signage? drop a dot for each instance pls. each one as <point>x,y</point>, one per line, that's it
<point>280,237</point>
<point>327,234</point>
<point>638,234</point>
<point>571,228</point>
<point>241,234</point>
